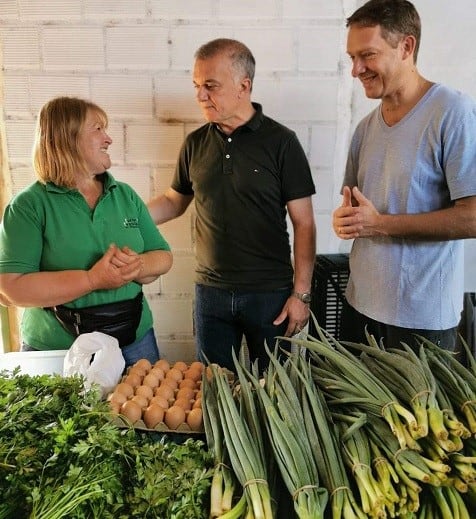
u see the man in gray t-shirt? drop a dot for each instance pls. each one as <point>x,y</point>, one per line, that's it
<point>409,191</point>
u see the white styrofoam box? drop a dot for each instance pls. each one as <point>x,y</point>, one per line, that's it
<point>34,362</point>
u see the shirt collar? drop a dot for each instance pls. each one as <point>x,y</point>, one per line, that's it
<point>108,180</point>
<point>253,124</point>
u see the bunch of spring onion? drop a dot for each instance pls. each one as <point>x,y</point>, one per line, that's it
<point>223,482</point>
<point>443,503</point>
<point>411,381</point>
<point>245,454</point>
<point>419,472</point>
<point>284,417</point>
<point>346,380</point>
<point>458,382</point>
<point>375,499</point>
<point>324,440</point>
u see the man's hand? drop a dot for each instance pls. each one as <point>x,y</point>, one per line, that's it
<point>297,313</point>
<point>356,217</point>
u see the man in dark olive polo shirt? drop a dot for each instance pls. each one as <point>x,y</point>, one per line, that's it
<point>246,173</point>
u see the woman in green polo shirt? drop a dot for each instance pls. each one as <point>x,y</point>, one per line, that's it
<point>76,246</point>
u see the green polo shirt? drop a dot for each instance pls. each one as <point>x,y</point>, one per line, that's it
<point>51,228</point>
<point>241,184</point>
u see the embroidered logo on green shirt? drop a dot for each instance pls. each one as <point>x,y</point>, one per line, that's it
<point>131,223</point>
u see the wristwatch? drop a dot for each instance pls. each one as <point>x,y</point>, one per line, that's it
<point>305,297</point>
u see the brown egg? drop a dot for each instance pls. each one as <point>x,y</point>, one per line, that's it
<point>185,392</point>
<point>174,416</point>
<point>199,366</point>
<point>181,365</point>
<point>136,372</point>
<point>198,394</point>
<point>117,397</point>
<point>146,391</point>
<point>115,407</point>
<point>160,400</point>
<point>163,364</point>
<point>169,381</point>
<point>124,388</point>
<point>144,364</point>
<point>184,403</point>
<point>165,390</point>
<point>193,374</point>
<point>197,403</point>
<point>158,372</point>
<point>187,382</point>
<point>153,415</point>
<point>174,373</point>
<point>150,380</point>
<point>133,379</point>
<point>131,410</point>
<point>141,400</point>
<point>195,419</point>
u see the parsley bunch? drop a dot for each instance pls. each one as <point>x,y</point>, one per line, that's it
<point>61,456</point>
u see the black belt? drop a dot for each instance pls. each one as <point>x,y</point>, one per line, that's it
<point>119,319</point>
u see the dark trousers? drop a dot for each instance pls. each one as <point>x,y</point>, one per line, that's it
<point>224,317</point>
<point>353,325</point>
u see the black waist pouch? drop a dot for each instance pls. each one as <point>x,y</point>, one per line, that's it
<point>119,319</point>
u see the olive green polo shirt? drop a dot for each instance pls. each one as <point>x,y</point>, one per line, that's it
<point>241,184</point>
<point>52,228</point>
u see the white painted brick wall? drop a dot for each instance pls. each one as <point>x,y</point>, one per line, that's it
<point>73,48</point>
<point>298,99</point>
<point>273,48</point>
<point>248,9</point>
<point>137,48</point>
<point>45,87</point>
<point>119,10</point>
<point>185,40</point>
<point>153,143</point>
<point>175,98</point>
<point>20,141</point>
<point>21,48</point>
<point>312,9</point>
<point>182,10</point>
<point>39,10</point>
<point>134,58</point>
<point>125,96</point>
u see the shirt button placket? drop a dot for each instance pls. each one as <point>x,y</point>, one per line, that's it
<point>227,162</point>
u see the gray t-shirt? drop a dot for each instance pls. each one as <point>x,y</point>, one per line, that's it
<point>421,164</point>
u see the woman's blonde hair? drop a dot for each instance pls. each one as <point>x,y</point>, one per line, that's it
<point>56,153</point>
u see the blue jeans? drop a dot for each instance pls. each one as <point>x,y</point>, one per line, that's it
<point>223,317</point>
<point>145,348</point>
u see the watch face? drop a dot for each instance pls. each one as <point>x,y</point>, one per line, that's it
<point>306,298</point>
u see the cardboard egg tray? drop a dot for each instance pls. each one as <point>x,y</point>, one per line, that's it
<point>161,427</point>
<point>182,429</point>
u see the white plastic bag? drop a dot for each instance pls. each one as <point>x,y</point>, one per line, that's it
<point>105,369</point>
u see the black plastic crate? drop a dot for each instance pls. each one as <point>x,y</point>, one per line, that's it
<point>330,276</point>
